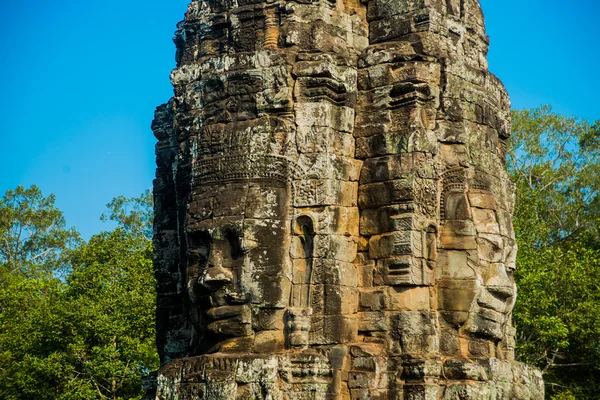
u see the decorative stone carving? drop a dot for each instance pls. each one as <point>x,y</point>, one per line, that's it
<point>333,217</point>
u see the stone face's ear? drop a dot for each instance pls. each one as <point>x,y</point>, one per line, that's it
<point>303,252</point>
<point>197,256</point>
<point>304,228</point>
<point>300,313</point>
<point>430,245</point>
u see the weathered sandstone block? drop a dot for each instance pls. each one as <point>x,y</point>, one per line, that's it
<point>333,217</point>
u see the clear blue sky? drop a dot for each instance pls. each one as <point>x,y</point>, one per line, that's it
<point>80,81</point>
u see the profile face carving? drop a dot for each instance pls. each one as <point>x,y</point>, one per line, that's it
<point>237,265</point>
<point>476,289</point>
<point>217,282</point>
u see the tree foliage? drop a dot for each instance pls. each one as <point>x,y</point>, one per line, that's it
<point>111,294</point>
<point>89,334</point>
<point>135,214</point>
<point>555,162</point>
<point>33,235</point>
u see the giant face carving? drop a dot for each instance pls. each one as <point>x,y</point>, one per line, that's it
<point>238,264</point>
<point>476,290</point>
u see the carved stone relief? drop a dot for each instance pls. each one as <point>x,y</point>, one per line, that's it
<point>333,217</point>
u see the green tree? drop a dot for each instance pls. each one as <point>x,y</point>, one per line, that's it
<point>33,235</point>
<point>89,334</point>
<point>111,297</point>
<point>31,331</point>
<point>555,162</point>
<point>133,214</point>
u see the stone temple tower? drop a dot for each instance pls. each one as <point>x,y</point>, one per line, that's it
<point>333,216</point>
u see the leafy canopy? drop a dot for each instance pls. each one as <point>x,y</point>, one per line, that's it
<point>555,162</point>
<point>135,214</point>
<point>33,235</point>
<point>89,334</point>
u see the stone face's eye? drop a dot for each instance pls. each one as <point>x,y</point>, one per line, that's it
<point>203,254</point>
<point>237,250</point>
<point>199,244</point>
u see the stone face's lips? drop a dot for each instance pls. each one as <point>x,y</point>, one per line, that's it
<point>491,315</point>
<point>230,320</point>
<point>223,312</point>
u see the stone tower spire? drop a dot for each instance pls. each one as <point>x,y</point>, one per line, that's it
<point>333,215</point>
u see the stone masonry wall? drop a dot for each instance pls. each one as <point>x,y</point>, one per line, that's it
<point>333,215</point>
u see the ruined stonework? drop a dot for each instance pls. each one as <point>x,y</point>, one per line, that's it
<point>333,216</point>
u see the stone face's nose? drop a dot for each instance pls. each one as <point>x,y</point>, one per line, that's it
<point>215,258</point>
<point>216,277</point>
<point>499,283</point>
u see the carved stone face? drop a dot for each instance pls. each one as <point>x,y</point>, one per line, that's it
<point>475,285</point>
<point>219,281</point>
<point>238,262</point>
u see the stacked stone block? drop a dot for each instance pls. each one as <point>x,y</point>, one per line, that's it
<point>333,217</point>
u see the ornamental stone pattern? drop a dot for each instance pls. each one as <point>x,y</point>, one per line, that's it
<point>333,215</point>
